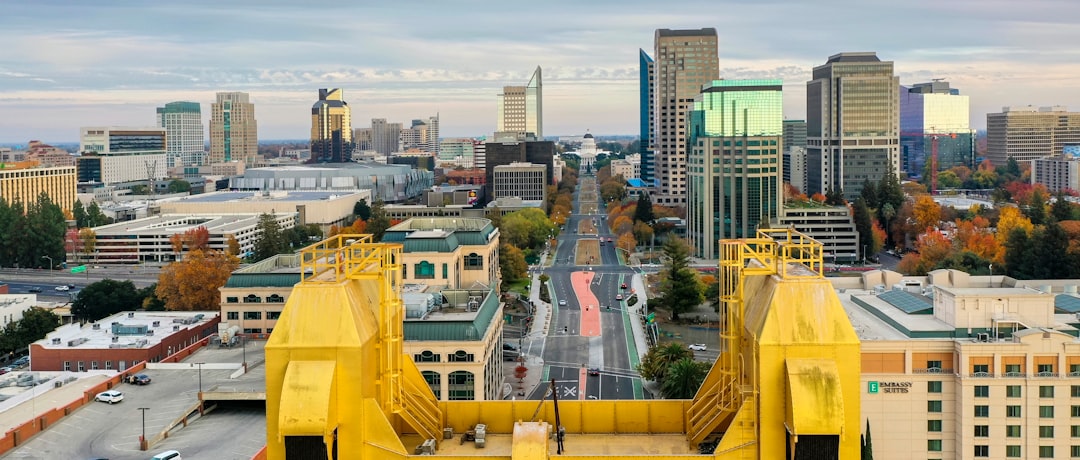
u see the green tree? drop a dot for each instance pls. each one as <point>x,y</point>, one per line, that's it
<point>1036,207</point>
<point>362,210</point>
<point>35,324</point>
<point>103,298</point>
<point>867,444</point>
<point>10,240</point>
<point>966,261</point>
<point>1052,256</point>
<point>379,221</point>
<point>644,211</point>
<point>864,225</point>
<point>95,217</point>
<point>178,186</point>
<point>300,236</point>
<point>82,219</point>
<point>890,192</point>
<point>869,194</point>
<point>151,302</point>
<point>1061,210</point>
<point>834,197</point>
<point>682,288</point>
<point>44,233</point>
<point>683,379</point>
<point>1018,261</point>
<point>512,263</point>
<point>270,241</point>
<point>656,362</point>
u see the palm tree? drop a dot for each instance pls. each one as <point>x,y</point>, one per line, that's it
<point>683,379</point>
<point>658,360</point>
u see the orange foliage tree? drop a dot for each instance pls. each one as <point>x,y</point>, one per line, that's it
<point>927,212</point>
<point>933,248</point>
<point>195,239</point>
<point>975,236</point>
<point>818,197</point>
<point>193,284</point>
<point>627,242</point>
<point>1010,218</point>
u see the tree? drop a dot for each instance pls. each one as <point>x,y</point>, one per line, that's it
<point>151,302</point>
<point>362,210</point>
<point>192,239</point>
<point>627,242</point>
<point>1010,218</point>
<point>1018,249</point>
<point>89,241</point>
<point>95,217</point>
<point>379,221</point>
<point>1061,209</point>
<point>642,232</point>
<point>45,226</point>
<point>644,211</point>
<point>682,289</point>
<point>10,239</point>
<point>512,263</point>
<point>104,298</point>
<point>683,379</point>
<point>867,452</point>
<point>232,246</point>
<point>966,261</point>
<point>835,197</point>
<point>889,192</point>
<point>78,212</point>
<point>270,241</point>
<point>656,362</point>
<point>927,212</point>
<point>869,194</point>
<point>193,284</point>
<point>863,223</point>
<point>178,186</point>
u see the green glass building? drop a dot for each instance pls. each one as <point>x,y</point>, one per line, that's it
<point>734,161</point>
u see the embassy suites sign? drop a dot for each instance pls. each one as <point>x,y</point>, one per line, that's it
<point>887,387</point>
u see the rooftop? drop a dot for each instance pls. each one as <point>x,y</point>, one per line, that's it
<point>450,314</point>
<point>282,196</point>
<point>137,329</point>
<point>179,223</point>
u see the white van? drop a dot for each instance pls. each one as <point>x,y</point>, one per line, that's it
<point>167,455</point>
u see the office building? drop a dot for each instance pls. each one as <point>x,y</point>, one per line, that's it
<point>628,167</point>
<point>521,109</point>
<point>422,136</point>
<point>852,123</point>
<point>794,134</point>
<point>1059,172</point>
<point>149,239</point>
<point>322,208</point>
<point>934,115</point>
<point>734,162</point>
<point>795,168</point>
<point>646,115</point>
<point>113,155</point>
<point>1027,133</point>
<point>504,153</point>
<point>253,297</point>
<point>185,139</point>
<point>331,128</point>
<point>685,61</point>
<point>522,180</point>
<point>23,182</point>
<point>832,226</point>
<point>458,151</point>
<point>233,129</point>
<point>385,136</point>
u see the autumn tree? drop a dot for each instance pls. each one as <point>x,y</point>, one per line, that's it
<point>627,242</point>
<point>864,224</point>
<point>193,284</point>
<point>72,242</point>
<point>232,247</point>
<point>512,263</point>
<point>642,231</point>
<point>1010,218</point>
<point>197,238</point>
<point>926,212</point>
<point>933,247</point>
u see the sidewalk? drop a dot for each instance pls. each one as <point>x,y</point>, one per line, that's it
<point>532,343</point>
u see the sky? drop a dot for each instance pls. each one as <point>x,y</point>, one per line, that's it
<point>67,64</point>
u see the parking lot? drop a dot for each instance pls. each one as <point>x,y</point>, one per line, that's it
<point>113,430</point>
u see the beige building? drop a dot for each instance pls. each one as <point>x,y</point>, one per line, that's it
<point>626,169</point>
<point>832,226</point>
<point>455,253</point>
<point>148,239</point>
<point>522,180</point>
<point>253,297</point>
<point>521,109</point>
<point>965,367</point>
<point>331,128</point>
<point>233,129</point>
<point>1056,172</point>
<point>23,183</point>
<point>320,208</point>
<point>1027,133</point>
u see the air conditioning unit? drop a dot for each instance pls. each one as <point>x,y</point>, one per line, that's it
<point>982,337</point>
<point>115,339</point>
<point>96,327</point>
<point>157,323</point>
<point>131,314</point>
<point>56,341</point>
<point>176,328</point>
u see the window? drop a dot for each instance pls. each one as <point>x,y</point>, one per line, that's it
<point>274,298</point>
<point>1012,451</point>
<point>1046,451</point>
<point>427,356</point>
<point>933,426</point>
<point>1013,391</point>
<point>474,261</point>
<point>1046,391</point>
<point>253,330</point>
<point>982,391</point>
<point>460,356</point>
<point>1075,391</point>
<point>434,381</point>
<point>1013,369</point>
<point>1046,368</point>
<point>933,445</point>
<point>93,365</point>
<point>232,300</point>
<point>82,367</point>
<point>982,431</point>
<point>1012,431</point>
<point>1074,452</point>
<point>460,386</point>
<point>252,315</point>
<point>1046,431</point>
<point>233,315</point>
<point>108,365</point>
<point>1013,411</point>
<point>1046,411</point>
<point>1074,431</point>
<point>933,365</point>
<point>445,271</point>
<point>252,298</point>
<point>933,406</point>
<point>982,451</point>
<point>981,368</point>
<point>273,314</point>
<point>982,411</point>
<point>933,386</point>
<point>67,366</point>
<point>424,270</point>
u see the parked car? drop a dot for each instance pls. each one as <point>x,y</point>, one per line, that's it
<point>167,455</point>
<point>697,346</point>
<point>23,361</point>
<point>594,371</point>
<point>34,289</point>
<point>111,397</point>
<point>140,379</point>
<point>62,287</point>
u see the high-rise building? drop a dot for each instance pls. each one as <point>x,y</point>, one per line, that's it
<point>185,139</point>
<point>504,153</point>
<point>521,180</point>
<point>794,134</point>
<point>385,137</point>
<point>423,135</point>
<point>331,128</point>
<point>933,113</point>
<point>852,123</point>
<point>1027,133</point>
<point>521,109</point>
<point>647,116</point>
<point>686,60</point>
<point>233,129</point>
<point>23,183</point>
<point>112,155</point>
<point>364,139</point>
<point>734,162</point>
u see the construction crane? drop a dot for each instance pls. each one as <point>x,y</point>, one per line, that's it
<point>933,153</point>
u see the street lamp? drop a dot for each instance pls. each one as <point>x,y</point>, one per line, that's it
<point>50,261</point>
<point>200,379</point>
<point>142,439</point>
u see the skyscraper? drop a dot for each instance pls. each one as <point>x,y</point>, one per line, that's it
<point>646,116</point>
<point>934,113</point>
<point>852,123</point>
<point>794,134</point>
<point>734,162</point>
<point>185,140</point>
<point>385,137</point>
<point>233,129</point>
<point>686,60</point>
<point>331,128</point>
<point>422,135</point>
<point>521,108</point>
<point>1027,133</point>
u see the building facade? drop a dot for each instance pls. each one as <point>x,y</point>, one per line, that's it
<point>794,134</point>
<point>457,152</point>
<point>185,138</point>
<point>233,129</point>
<point>253,297</point>
<point>388,183</point>
<point>523,180</point>
<point>114,155</point>
<point>685,61</point>
<point>832,226</point>
<point>795,168</point>
<point>521,108</point>
<point>453,253</point>
<point>852,123</point>
<point>734,162</point>
<point>24,184</point>
<point>504,153</point>
<point>148,239</point>
<point>1056,173</point>
<point>934,113</point>
<point>647,115</point>
<point>331,128</point>
<point>385,137</point>
<point>324,209</point>
<point>1027,133</point>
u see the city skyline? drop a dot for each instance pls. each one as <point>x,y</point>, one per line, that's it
<point>71,65</point>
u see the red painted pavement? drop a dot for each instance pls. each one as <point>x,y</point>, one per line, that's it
<point>590,306</point>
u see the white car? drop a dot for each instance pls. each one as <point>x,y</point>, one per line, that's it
<point>562,303</point>
<point>696,346</point>
<point>111,396</point>
<point>62,288</point>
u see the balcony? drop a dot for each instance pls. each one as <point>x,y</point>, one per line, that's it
<point>1047,374</point>
<point>982,375</point>
<point>1014,375</point>
<point>932,370</point>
